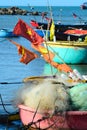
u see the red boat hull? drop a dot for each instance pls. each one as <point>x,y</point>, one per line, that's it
<point>76,120</point>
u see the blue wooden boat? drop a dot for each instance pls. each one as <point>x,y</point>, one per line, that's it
<point>70,52</point>
<point>4,33</point>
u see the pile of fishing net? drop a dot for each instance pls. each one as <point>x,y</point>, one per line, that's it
<point>49,95</point>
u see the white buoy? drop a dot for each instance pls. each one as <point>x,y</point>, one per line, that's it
<point>79,76</point>
<point>54,38</point>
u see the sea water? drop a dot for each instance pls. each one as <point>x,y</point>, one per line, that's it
<point>12,72</point>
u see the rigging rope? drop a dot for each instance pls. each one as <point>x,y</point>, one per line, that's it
<point>11,82</point>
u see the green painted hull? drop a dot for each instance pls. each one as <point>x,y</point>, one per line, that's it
<point>68,53</point>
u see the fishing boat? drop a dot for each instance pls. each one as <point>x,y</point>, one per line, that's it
<point>70,51</point>
<point>84,5</point>
<point>63,32</point>
<point>70,45</point>
<point>64,36</point>
<point>4,33</point>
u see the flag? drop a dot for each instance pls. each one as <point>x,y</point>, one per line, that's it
<point>34,24</point>
<point>24,30</point>
<point>27,55</point>
<point>52,31</point>
<point>74,15</point>
<point>48,57</point>
<point>43,15</point>
<point>40,48</point>
<point>48,19</point>
<point>64,67</point>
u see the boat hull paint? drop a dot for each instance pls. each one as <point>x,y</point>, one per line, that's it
<point>27,114</point>
<point>69,54</point>
<point>70,120</point>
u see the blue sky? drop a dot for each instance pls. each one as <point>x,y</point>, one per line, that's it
<point>41,2</point>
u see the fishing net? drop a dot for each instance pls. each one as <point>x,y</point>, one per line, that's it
<point>78,96</point>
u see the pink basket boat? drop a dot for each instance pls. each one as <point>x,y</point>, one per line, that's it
<point>76,120</point>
